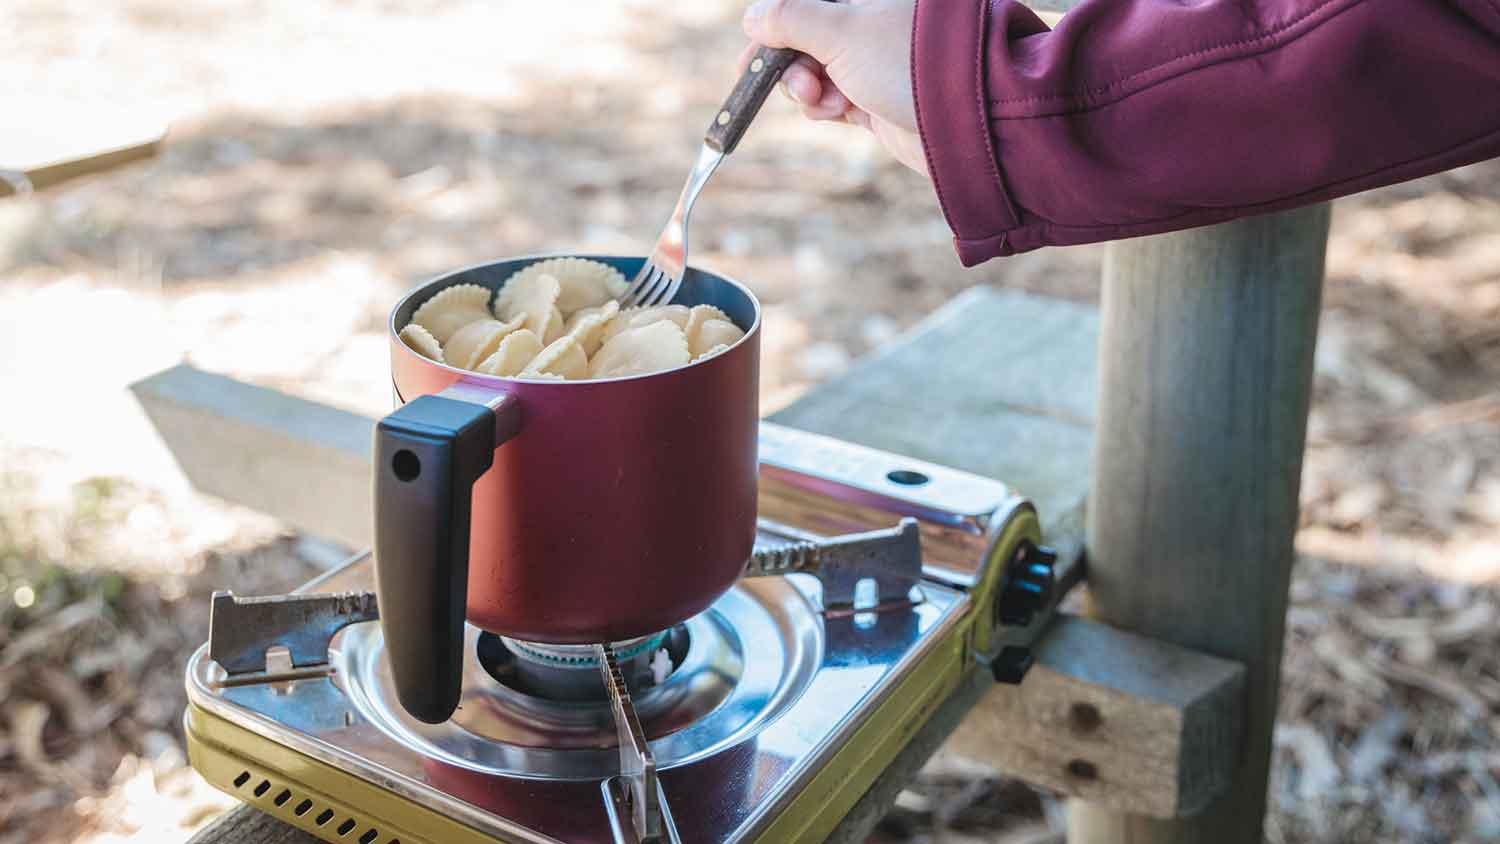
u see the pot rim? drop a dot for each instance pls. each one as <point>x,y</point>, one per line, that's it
<point>394,334</point>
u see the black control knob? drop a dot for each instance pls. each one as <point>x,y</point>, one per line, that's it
<point>1028,585</point>
<point>1011,664</point>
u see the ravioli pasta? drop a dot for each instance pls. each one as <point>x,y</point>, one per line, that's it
<point>564,358</point>
<point>452,309</point>
<point>589,324</point>
<point>512,355</point>
<point>476,341</point>
<point>659,345</point>
<point>533,300</point>
<point>698,315</point>
<point>583,283</point>
<point>710,353</point>
<point>552,327</point>
<point>559,320</point>
<point>708,328</point>
<point>421,341</point>
<point>714,332</point>
<point>642,317</point>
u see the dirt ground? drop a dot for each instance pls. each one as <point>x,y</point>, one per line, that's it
<point>327,155</point>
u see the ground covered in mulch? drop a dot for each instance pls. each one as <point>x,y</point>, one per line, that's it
<point>329,156</point>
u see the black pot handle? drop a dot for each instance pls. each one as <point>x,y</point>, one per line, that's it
<point>427,456</point>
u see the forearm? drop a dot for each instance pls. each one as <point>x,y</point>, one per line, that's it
<point>1142,116</point>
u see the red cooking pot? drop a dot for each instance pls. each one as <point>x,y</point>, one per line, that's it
<point>557,511</point>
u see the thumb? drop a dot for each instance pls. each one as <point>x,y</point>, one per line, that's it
<point>815,27</point>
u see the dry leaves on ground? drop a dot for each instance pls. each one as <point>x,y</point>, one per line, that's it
<point>91,659</point>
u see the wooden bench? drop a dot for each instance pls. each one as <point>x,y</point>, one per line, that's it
<point>47,146</point>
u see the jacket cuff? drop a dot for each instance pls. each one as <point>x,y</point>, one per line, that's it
<point>948,85</point>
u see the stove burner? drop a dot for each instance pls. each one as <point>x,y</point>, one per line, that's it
<point>716,695</point>
<point>582,655</point>
<point>571,672</point>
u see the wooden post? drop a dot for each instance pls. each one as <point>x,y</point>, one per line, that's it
<point>1205,373</point>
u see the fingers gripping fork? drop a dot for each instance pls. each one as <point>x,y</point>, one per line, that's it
<point>660,277</point>
<point>891,557</point>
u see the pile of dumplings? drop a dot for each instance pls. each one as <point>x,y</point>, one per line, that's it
<point>558,320</point>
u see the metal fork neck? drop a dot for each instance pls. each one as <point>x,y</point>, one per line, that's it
<point>660,277</point>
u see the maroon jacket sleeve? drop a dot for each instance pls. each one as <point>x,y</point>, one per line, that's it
<point>1136,117</point>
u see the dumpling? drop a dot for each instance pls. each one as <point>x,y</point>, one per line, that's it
<point>451,309</point>
<point>642,317</point>
<point>584,283</point>
<point>714,332</point>
<point>711,352</point>
<point>552,328</point>
<point>560,319</point>
<point>676,314</point>
<point>421,341</point>
<point>589,324</point>
<point>477,341</point>
<point>563,357</point>
<point>697,318</point>
<point>699,314</point>
<point>511,356</point>
<point>533,299</point>
<point>659,345</point>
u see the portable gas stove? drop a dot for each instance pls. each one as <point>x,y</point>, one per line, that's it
<point>763,718</point>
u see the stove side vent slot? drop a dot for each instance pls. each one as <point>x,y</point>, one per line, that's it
<point>307,810</point>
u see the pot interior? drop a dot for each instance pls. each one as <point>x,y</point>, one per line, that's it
<point>698,288</point>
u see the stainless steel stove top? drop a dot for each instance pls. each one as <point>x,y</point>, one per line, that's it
<point>769,689</point>
<point>723,692</point>
<point>788,696</point>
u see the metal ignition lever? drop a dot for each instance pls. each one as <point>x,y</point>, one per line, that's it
<point>891,557</point>
<point>241,630</point>
<point>633,800</point>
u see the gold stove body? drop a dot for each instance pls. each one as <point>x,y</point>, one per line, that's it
<point>344,773</point>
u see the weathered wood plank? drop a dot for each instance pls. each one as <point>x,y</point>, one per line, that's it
<point>305,463</point>
<point>245,824</point>
<point>309,464</point>
<point>997,382</point>
<point>52,146</point>
<point>1205,378</point>
<point>1116,719</point>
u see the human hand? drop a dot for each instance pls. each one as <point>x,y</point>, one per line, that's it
<point>856,66</point>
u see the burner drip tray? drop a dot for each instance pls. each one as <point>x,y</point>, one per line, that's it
<point>571,672</point>
<point>539,711</point>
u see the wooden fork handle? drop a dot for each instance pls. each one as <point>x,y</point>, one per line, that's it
<point>749,93</point>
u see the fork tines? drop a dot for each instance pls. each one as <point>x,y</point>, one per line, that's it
<point>651,286</point>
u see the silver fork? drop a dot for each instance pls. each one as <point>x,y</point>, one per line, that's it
<point>661,276</point>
